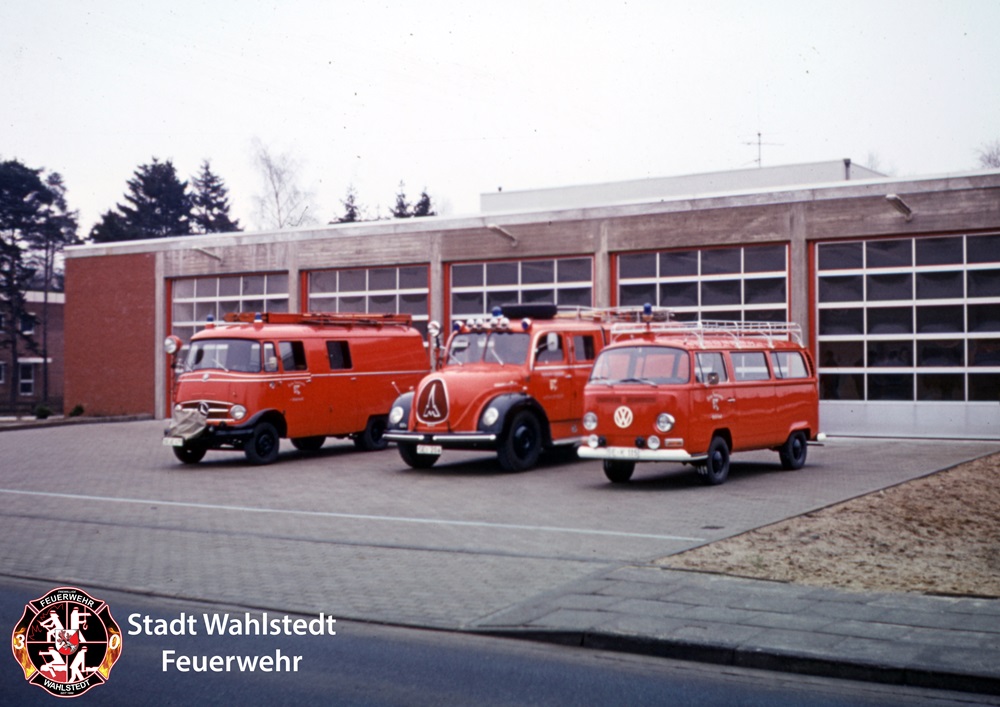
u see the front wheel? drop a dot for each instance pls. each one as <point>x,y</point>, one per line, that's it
<point>408,452</point>
<point>618,472</point>
<point>520,448</point>
<point>189,454</point>
<point>263,445</point>
<point>372,438</point>
<point>793,451</point>
<point>715,470</point>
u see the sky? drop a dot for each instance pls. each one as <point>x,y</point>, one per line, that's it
<point>461,98</point>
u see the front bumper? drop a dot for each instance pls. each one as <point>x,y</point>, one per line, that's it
<point>639,455</point>
<point>449,440</point>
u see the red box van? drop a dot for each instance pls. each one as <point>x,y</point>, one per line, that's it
<point>695,392</point>
<point>244,385</point>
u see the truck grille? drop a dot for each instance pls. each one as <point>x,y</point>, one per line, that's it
<point>216,411</point>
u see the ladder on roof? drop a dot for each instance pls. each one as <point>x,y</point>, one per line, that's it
<point>320,318</point>
<point>701,329</point>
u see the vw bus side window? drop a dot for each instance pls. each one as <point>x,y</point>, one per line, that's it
<point>226,354</point>
<point>707,364</point>
<point>340,355</point>
<point>549,349</point>
<point>750,366</point>
<point>270,358</point>
<point>293,355</point>
<point>788,364</point>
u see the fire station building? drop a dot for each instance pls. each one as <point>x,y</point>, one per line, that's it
<point>895,281</point>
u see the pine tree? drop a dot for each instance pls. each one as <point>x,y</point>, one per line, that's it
<point>402,207</point>
<point>352,212</point>
<point>210,201</point>
<point>158,205</point>
<point>423,207</point>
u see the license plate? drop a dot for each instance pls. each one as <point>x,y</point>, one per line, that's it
<point>173,441</point>
<point>434,449</point>
<point>624,453</point>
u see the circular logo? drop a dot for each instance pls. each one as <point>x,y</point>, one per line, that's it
<point>623,417</point>
<point>66,642</point>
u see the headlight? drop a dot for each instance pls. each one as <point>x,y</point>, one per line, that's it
<point>593,441</point>
<point>172,345</point>
<point>665,422</point>
<point>590,421</point>
<point>490,416</point>
<point>238,412</point>
<point>396,415</point>
<point>653,442</point>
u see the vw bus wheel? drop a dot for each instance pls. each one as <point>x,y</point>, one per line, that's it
<point>715,471</point>
<point>372,438</point>
<point>522,446</point>
<point>262,447</point>
<point>309,444</point>
<point>617,471</point>
<point>408,452</point>
<point>189,454</point>
<point>793,451</point>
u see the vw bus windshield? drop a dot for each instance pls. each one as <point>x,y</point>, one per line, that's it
<point>652,365</point>
<point>227,354</point>
<point>500,347</point>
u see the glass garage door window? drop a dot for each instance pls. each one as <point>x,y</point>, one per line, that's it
<point>194,299</point>
<point>746,283</point>
<point>388,290</point>
<point>910,319</point>
<point>476,288</point>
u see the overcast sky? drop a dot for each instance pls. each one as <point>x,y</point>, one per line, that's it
<point>463,97</point>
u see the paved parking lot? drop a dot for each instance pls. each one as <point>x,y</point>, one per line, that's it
<point>360,535</point>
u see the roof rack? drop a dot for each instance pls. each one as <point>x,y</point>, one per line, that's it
<point>600,314</point>
<point>319,318</point>
<point>788,331</point>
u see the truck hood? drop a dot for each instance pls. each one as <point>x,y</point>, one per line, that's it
<point>454,398</point>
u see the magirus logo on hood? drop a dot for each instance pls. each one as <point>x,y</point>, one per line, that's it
<point>432,403</point>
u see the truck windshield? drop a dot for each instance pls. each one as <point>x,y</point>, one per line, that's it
<point>653,365</point>
<point>500,347</point>
<point>228,354</point>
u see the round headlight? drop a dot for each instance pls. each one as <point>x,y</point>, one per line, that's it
<point>653,442</point>
<point>396,415</point>
<point>171,345</point>
<point>590,421</point>
<point>238,412</point>
<point>490,416</point>
<point>665,422</point>
<point>433,328</point>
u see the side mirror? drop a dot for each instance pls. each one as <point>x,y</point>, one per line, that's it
<point>712,378</point>
<point>552,341</point>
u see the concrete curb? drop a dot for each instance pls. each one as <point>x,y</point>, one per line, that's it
<point>6,425</point>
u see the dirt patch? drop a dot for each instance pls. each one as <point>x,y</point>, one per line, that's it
<point>936,535</point>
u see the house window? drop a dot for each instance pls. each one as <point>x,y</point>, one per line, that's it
<point>195,299</point>
<point>27,379</point>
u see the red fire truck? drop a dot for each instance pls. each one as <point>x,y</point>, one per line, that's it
<point>247,383</point>
<point>512,384</point>
<point>693,392</point>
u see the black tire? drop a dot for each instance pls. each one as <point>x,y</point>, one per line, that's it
<point>715,470</point>
<point>618,472</point>
<point>190,454</point>
<point>408,452</point>
<point>793,452</point>
<point>522,445</point>
<point>309,444</point>
<point>372,439</point>
<point>263,445</point>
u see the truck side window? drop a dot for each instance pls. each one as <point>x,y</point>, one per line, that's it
<point>293,355</point>
<point>709,362</point>
<point>270,359</point>
<point>340,355</point>
<point>549,349</point>
<point>583,347</point>
<point>750,365</point>
<point>788,364</point>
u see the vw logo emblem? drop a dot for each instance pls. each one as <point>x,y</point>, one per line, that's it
<point>623,417</point>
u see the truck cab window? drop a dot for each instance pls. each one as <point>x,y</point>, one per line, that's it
<point>270,358</point>
<point>339,353</point>
<point>583,347</point>
<point>709,362</point>
<point>293,355</point>
<point>549,350</point>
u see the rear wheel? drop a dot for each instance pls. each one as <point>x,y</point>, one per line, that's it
<point>793,451</point>
<point>618,472</point>
<point>189,454</point>
<point>408,452</point>
<point>715,470</point>
<point>263,445</point>
<point>308,444</point>
<point>520,448</point>
<point>372,438</point>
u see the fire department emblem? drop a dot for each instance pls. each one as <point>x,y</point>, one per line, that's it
<point>432,403</point>
<point>623,417</point>
<point>66,642</point>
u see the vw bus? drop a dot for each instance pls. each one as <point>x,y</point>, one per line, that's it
<point>511,384</point>
<point>695,392</point>
<point>245,384</point>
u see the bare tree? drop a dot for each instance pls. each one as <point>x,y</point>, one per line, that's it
<point>282,202</point>
<point>989,155</point>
